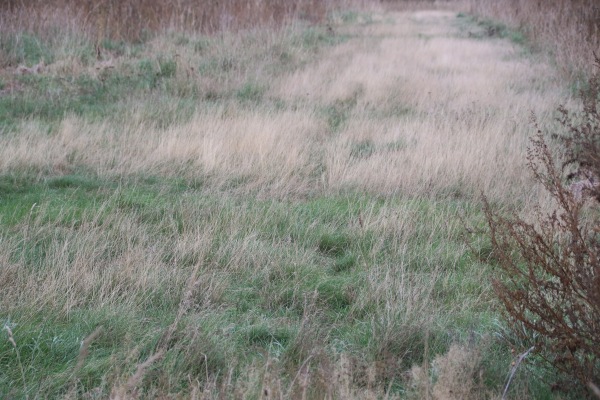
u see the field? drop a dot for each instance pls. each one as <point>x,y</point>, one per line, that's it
<point>272,211</point>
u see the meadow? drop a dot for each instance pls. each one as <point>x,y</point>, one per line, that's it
<point>262,202</point>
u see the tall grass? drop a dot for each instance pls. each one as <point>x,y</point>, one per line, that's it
<point>282,129</point>
<point>133,19</point>
<point>569,29</point>
<point>272,213</point>
<point>213,285</point>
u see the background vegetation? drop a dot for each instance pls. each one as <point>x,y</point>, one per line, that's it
<point>133,19</point>
<point>262,199</point>
<point>567,29</point>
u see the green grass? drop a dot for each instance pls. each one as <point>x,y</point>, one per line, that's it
<point>49,346</point>
<point>64,197</point>
<point>141,82</point>
<point>250,92</point>
<point>318,255</point>
<point>363,149</point>
<point>25,49</point>
<point>354,17</point>
<point>316,37</point>
<point>487,28</point>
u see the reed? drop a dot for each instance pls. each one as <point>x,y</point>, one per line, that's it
<point>569,29</point>
<point>133,20</point>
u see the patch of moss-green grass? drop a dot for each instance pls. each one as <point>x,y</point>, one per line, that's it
<point>323,225</point>
<point>334,244</point>
<point>345,262</point>
<point>262,335</point>
<point>25,48</point>
<point>486,28</point>
<point>50,98</point>
<point>63,198</point>
<point>336,115</point>
<point>315,37</point>
<point>199,351</point>
<point>363,149</point>
<point>250,92</point>
<point>336,294</point>
<point>48,347</point>
<point>121,48</point>
<point>68,199</point>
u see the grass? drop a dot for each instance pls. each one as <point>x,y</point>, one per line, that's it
<point>172,75</point>
<point>571,38</point>
<point>273,211</point>
<point>274,268</point>
<point>25,49</point>
<point>487,28</point>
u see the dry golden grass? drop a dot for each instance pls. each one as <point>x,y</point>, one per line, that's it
<point>455,375</point>
<point>443,113</point>
<point>421,110</point>
<point>568,29</point>
<point>270,149</point>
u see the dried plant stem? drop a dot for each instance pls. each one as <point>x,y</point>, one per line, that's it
<point>595,389</point>
<point>184,306</point>
<point>514,370</point>
<point>12,341</point>
<point>301,371</point>
<point>126,391</point>
<point>85,348</point>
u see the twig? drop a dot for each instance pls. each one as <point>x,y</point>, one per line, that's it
<point>595,389</point>
<point>298,374</point>
<point>514,369</point>
<point>128,390</point>
<point>85,348</point>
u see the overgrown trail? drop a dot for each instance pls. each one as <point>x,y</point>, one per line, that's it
<point>426,102</point>
<point>272,214</point>
<point>422,103</point>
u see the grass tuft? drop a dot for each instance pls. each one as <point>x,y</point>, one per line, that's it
<point>333,244</point>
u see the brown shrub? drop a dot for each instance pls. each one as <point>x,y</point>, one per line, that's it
<point>550,268</point>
